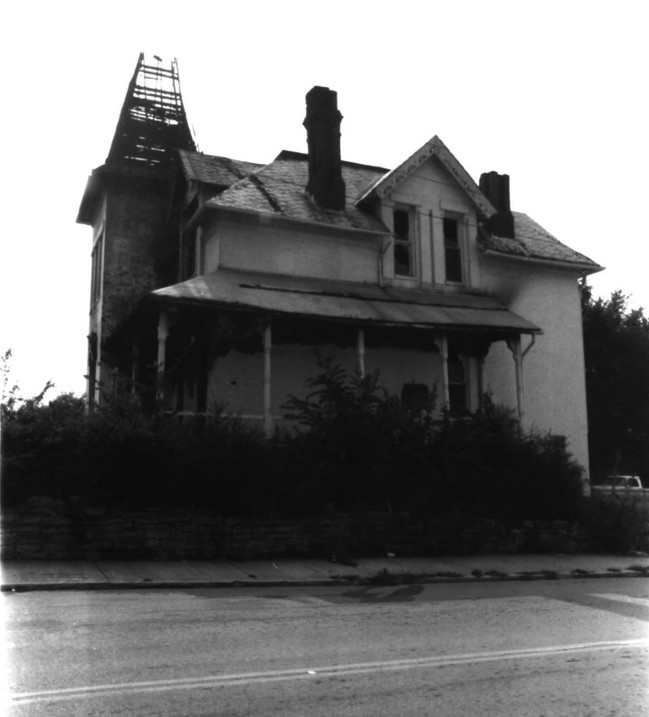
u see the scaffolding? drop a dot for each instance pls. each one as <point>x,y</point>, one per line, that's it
<point>152,122</point>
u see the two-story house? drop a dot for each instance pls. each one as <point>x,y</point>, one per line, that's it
<point>222,283</point>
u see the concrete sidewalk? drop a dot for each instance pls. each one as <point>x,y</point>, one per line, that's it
<point>103,575</point>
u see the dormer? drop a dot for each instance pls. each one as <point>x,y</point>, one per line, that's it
<point>432,208</point>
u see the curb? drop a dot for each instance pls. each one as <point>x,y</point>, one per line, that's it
<point>378,580</point>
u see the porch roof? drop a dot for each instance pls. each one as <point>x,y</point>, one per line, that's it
<point>368,304</point>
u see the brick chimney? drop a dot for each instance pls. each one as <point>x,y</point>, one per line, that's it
<point>322,123</point>
<point>496,188</point>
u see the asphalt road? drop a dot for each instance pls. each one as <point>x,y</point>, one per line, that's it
<point>569,647</point>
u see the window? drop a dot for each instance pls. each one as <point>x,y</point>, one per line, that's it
<point>404,255</point>
<point>456,386</point>
<point>96,275</point>
<point>452,249</point>
<point>415,396</point>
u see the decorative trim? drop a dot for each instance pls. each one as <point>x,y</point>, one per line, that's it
<point>433,148</point>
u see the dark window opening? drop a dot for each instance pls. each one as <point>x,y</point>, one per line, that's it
<point>95,280</point>
<point>415,396</point>
<point>452,250</point>
<point>457,388</point>
<point>403,254</point>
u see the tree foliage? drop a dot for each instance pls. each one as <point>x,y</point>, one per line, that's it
<point>616,348</point>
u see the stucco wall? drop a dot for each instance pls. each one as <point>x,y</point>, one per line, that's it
<point>294,250</point>
<point>553,370</point>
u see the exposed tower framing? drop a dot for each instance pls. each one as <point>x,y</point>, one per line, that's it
<point>152,120</point>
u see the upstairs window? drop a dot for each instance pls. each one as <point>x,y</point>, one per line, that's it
<point>404,254</point>
<point>97,270</point>
<point>452,250</point>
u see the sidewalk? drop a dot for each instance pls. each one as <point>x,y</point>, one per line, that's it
<point>58,575</point>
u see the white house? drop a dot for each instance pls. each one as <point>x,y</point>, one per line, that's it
<point>217,281</point>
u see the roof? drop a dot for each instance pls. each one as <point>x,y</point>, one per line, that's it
<point>532,241</point>
<point>279,189</point>
<point>220,171</point>
<point>433,148</point>
<point>367,304</point>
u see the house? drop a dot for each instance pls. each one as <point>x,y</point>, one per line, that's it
<point>223,282</point>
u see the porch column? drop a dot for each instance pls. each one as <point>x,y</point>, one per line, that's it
<point>443,349</point>
<point>360,346</point>
<point>163,332</point>
<point>268,343</point>
<point>514,346</point>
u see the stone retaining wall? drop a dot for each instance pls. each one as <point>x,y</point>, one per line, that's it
<point>56,532</point>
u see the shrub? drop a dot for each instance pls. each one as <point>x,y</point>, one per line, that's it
<point>361,447</point>
<point>357,447</point>
<point>615,526</point>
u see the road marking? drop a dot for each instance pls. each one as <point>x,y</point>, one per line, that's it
<point>623,598</point>
<point>211,681</point>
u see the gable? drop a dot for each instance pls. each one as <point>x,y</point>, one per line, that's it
<point>437,149</point>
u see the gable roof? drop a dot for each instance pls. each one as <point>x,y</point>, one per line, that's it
<point>532,241</point>
<point>433,148</point>
<point>279,189</point>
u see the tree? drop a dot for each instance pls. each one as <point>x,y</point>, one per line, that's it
<point>616,347</point>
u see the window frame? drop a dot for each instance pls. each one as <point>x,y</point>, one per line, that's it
<point>455,387</point>
<point>409,243</point>
<point>457,248</point>
<point>97,269</point>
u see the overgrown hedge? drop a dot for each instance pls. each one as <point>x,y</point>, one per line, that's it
<point>356,447</point>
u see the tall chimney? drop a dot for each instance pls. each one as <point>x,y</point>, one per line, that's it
<point>496,188</point>
<point>322,122</point>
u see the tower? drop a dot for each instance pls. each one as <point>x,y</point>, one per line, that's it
<point>129,204</point>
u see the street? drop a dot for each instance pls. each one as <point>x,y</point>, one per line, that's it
<point>539,648</point>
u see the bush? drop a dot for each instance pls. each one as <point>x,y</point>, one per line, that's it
<point>357,448</point>
<point>361,447</point>
<point>368,450</point>
<point>491,468</point>
<point>615,525</point>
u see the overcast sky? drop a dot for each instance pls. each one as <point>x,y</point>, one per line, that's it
<point>552,93</point>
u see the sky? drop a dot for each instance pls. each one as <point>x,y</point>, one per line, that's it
<point>552,93</point>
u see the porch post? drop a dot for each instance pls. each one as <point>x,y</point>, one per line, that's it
<point>446,394</point>
<point>163,332</point>
<point>360,345</point>
<point>268,343</point>
<point>514,346</point>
